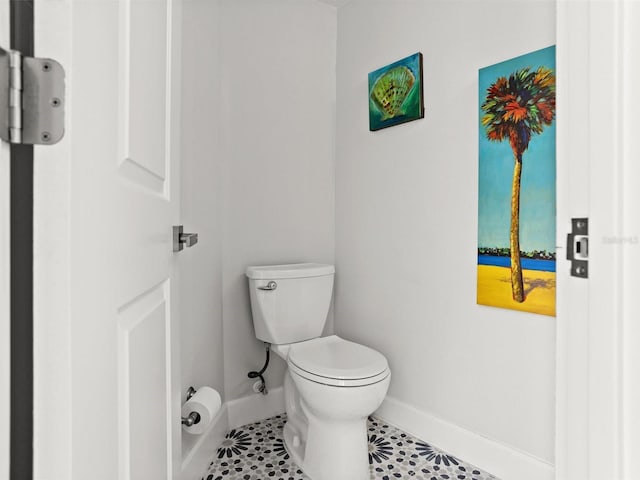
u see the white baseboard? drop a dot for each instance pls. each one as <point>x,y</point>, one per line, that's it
<point>255,407</point>
<point>503,461</point>
<point>196,461</point>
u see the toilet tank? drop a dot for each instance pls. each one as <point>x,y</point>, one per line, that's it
<point>295,306</point>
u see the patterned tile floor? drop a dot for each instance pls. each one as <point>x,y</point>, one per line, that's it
<point>257,452</point>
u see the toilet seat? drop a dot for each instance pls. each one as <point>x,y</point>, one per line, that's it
<point>337,362</point>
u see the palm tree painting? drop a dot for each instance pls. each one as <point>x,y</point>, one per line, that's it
<point>516,212</point>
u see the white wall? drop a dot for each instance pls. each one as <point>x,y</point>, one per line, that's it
<point>276,109</point>
<point>406,221</point>
<point>201,201</point>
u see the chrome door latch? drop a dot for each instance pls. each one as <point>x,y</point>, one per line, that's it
<point>32,98</point>
<point>180,239</point>
<point>578,247</point>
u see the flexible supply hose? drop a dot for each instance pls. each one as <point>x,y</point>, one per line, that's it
<point>263,387</point>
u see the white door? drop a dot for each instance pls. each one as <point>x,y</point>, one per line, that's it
<point>110,229</point>
<point>4,276</point>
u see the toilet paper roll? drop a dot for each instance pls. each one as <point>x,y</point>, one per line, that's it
<point>206,402</point>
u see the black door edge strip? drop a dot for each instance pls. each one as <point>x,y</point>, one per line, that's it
<point>21,273</point>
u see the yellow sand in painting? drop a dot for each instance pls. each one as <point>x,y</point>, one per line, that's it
<point>494,289</point>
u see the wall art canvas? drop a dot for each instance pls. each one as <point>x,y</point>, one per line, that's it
<point>517,184</point>
<point>395,93</point>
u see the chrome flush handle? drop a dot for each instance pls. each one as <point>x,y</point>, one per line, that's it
<point>269,286</point>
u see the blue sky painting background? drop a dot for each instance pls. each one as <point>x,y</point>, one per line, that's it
<point>538,182</point>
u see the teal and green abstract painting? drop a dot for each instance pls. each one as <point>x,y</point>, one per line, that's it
<point>395,93</point>
<point>517,184</point>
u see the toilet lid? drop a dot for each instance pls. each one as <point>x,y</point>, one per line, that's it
<point>333,358</point>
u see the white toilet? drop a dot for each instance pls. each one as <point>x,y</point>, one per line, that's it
<point>331,385</point>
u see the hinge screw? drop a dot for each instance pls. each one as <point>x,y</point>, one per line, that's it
<point>46,136</point>
<point>46,66</point>
<point>55,102</point>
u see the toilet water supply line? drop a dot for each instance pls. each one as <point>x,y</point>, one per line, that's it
<point>263,387</point>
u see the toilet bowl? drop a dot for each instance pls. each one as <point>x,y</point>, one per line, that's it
<point>331,385</point>
<point>339,384</point>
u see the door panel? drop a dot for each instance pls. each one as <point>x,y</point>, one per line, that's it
<point>145,413</point>
<point>145,90</point>
<point>118,172</point>
<point>148,84</point>
<point>146,203</point>
<point>145,139</point>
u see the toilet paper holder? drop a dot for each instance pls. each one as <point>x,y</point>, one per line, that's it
<point>193,417</point>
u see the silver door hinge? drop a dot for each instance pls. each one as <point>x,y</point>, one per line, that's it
<point>578,247</point>
<point>31,99</point>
